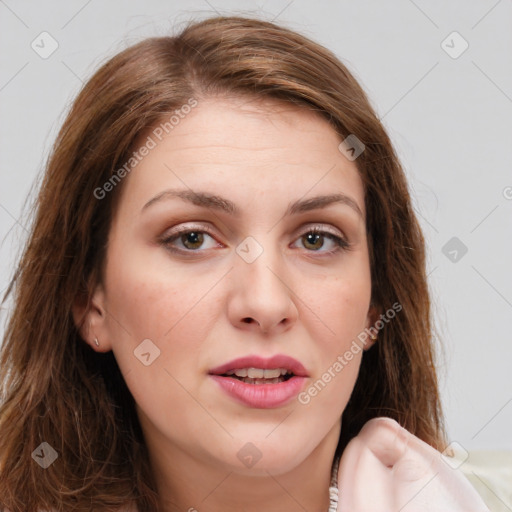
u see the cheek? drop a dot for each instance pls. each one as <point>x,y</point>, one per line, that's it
<point>336,314</point>
<point>343,311</point>
<point>154,302</point>
<point>174,310</point>
<point>338,305</point>
<point>170,310</point>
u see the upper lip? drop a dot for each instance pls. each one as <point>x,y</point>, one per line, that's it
<point>277,361</point>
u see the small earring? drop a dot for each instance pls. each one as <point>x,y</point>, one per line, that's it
<point>373,338</point>
<point>97,343</point>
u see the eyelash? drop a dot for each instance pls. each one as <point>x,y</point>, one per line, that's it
<point>341,243</point>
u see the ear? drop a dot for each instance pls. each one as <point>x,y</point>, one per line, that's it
<point>371,319</point>
<point>91,319</point>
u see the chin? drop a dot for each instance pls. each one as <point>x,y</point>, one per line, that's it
<point>263,455</point>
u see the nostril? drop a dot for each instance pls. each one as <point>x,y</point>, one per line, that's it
<point>247,320</point>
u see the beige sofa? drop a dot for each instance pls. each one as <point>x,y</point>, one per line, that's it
<point>490,472</point>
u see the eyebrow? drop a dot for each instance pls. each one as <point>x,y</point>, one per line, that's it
<point>207,200</point>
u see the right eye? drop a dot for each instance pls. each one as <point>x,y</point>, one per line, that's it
<point>189,240</point>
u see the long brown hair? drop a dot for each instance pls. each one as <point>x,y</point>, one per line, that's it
<point>55,389</point>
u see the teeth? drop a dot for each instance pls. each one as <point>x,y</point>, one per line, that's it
<point>255,373</point>
<point>259,373</point>
<point>258,382</point>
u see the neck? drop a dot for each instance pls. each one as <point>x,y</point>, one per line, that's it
<point>187,484</point>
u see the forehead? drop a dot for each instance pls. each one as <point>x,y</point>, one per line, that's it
<point>252,125</point>
<point>243,145</point>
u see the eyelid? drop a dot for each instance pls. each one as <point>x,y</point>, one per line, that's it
<point>324,229</point>
<point>341,241</point>
<point>204,227</point>
<point>174,233</point>
<point>185,228</point>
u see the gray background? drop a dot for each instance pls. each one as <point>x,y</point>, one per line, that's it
<point>450,120</point>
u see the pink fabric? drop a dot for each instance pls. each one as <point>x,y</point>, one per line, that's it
<point>387,469</point>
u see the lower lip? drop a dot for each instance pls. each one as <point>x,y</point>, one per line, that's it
<point>261,396</point>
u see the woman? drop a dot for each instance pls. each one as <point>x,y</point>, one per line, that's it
<point>223,302</point>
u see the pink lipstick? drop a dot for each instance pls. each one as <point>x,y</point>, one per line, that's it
<point>262,383</point>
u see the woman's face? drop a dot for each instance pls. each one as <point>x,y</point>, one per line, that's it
<point>212,257</point>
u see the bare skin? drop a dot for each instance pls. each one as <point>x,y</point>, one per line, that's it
<point>202,304</point>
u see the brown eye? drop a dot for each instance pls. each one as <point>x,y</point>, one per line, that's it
<point>313,241</point>
<point>192,239</point>
<point>321,241</point>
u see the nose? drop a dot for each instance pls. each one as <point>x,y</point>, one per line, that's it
<point>261,298</point>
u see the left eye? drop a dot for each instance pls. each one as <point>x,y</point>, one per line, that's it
<point>315,240</point>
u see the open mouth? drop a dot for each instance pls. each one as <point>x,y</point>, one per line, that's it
<point>261,382</point>
<point>259,376</point>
